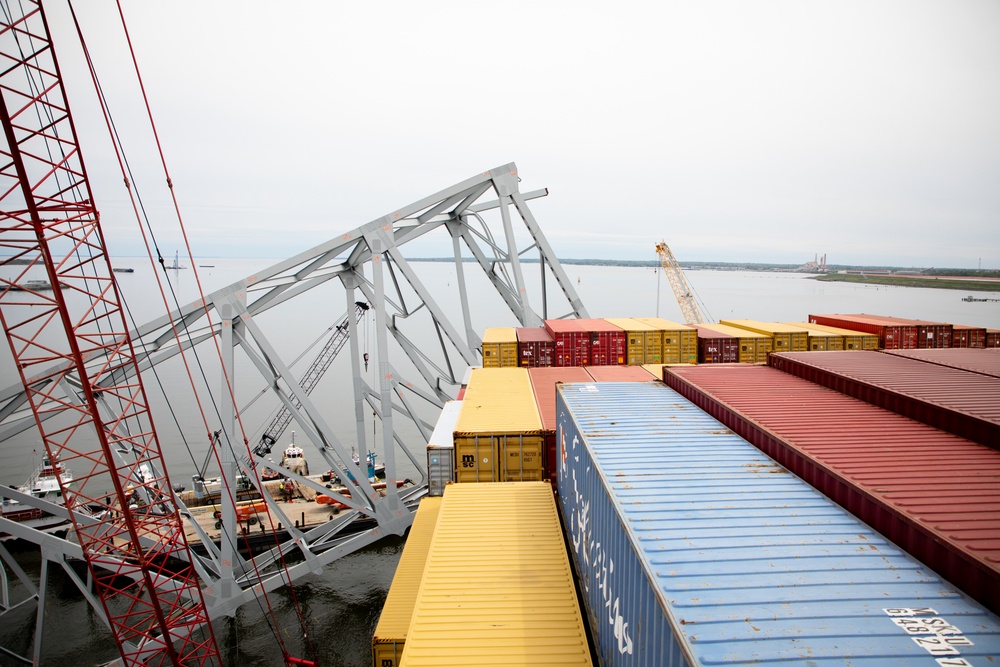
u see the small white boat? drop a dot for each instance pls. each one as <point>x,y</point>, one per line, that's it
<point>43,484</point>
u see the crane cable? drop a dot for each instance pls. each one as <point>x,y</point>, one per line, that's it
<point>215,340</point>
<point>126,171</point>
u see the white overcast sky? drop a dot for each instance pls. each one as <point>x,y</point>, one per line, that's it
<point>740,131</point>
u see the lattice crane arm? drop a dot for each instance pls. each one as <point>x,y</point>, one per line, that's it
<point>679,284</point>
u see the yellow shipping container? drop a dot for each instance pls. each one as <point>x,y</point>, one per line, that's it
<point>643,342</point>
<point>497,588</point>
<point>784,337</point>
<point>853,340</point>
<point>498,436</point>
<point>753,346</point>
<point>397,612</point>
<point>680,342</point>
<point>499,347</point>
<point>819,340</point>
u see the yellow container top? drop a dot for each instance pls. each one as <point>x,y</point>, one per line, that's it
<point>839,330</point>
<point>664,325</point>
<point>500,335</point>
<point>734,331</point>
<point>498,400</point>
<point>764,327</point>
<point>824,332</point>
<point>497,589</point>
<point>398,609</point>
<point>630,324</point>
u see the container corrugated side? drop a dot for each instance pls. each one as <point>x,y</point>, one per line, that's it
<point>929,334</point>
<point>498,436</point>
<point>853,339</point>
<point>679,343</point>
<point>572,342</point>
<point>715,347</point>
<point>960,402</point>
<point>397,612</point>
<point>499,347</point>
<point>441,449</point>
<point>535,347</point>
<point>754,347</point>
<point>497,588</point>
<point>933,493</point>
<point>964,335</point>
<point>643,342</point>
<point>784,337</point>
<point>694,559</point>
<point>892,336</point>
<point>982,361</point>
<point>993,338</point>
<point>820,340</point>
<point>607,342</point>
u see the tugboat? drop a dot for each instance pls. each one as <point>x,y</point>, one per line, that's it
<point>43,484</point>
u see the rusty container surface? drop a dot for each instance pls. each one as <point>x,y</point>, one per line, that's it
<point>679,341</point>
<point>892,336</point>
<point>543,384</point>
<point>784,337</point>
<point>621,374</point>
<point>715,347</point>
<point>958,401</point>
<point>968,336</point>
<point>754,347</point>
<point>572,342</point>
<point>929,334</point>
<point>498,435</point>
<point>933,493</point>
<point>535,348</point>
<point>643,342</point>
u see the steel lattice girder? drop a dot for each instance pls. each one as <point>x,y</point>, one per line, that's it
<point>369,263</point>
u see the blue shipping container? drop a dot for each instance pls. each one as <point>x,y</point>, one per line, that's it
<point>694,548</point>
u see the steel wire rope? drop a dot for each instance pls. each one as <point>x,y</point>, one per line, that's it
<point>75,188</point>
<point>137,207</point>
<point>228,382</point>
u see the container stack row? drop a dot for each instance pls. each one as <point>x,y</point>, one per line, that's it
<point>897,333</point>
<point>695,548</point>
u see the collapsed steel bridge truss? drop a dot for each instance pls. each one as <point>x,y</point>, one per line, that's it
<point>425,336</point>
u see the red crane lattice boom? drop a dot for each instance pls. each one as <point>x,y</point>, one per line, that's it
<point>76,360</point>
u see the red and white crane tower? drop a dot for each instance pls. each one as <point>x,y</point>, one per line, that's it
<point>134,546</point>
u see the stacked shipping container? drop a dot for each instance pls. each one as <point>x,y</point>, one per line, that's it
<point>497,588</point>
<point>753,347</point>
<point>960,402</point>
<point>535,348</point>
<point>643,342</point>
<point>933,493</point>
<point>688,559</point>
<point>572,342</point>
<point>499,348</point>
<point>853,339</point>
<point>966,336</point>
<point>679,341</point>
<point>607,342</point>
<point>892,335</point>
<point>715,347</point>
<point>784,337</point>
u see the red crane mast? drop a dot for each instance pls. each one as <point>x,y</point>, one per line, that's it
<point>76,360</point>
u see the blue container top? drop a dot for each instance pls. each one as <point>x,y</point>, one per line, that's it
<point>751,564</point>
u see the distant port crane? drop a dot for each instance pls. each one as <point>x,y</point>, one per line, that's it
<point>679,284</point>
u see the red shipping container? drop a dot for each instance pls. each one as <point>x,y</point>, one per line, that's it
<point>621,374</point>
<point>934,494</point>
<point>572,342</point>
<point>607,342</point>
<point>966,336</point>
<point>993,338</point>
<point>984,362</point>
<point>535,347</point>
<point>960,402</point>
<point>891,336</point>
<point>543,384</point>
<point>715,347</point>
<point>929,334</point>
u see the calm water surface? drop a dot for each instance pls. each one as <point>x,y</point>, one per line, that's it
<point>342,604</point>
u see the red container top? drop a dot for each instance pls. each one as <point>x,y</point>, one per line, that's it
<point>555,327</point>
<point>621,374</point>
<point>985,362</point>
<point>712,333</point>
<point>598,325</point>
<point>533,335</point>
<point>543,383</point>
<point>935,494</point>
<point>957,401</point>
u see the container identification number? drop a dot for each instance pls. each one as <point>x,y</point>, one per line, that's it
<point>932,633</point>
